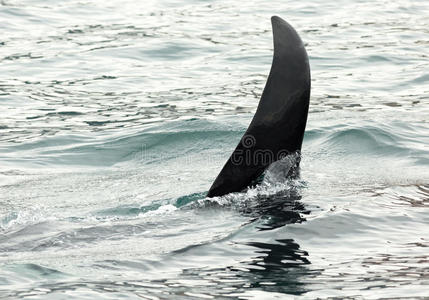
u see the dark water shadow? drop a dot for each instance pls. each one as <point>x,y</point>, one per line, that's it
<point>278,266</point>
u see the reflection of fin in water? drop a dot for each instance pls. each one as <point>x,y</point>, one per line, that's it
<point>279,267</point>
<point>282,264</point>
<point>286,254</point>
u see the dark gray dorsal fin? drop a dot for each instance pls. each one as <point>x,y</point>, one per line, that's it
<point>279,122</point>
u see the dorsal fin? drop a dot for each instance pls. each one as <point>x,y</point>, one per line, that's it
<point>279,122</point>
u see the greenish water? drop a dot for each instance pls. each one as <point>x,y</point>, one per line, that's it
<point>117,116</point>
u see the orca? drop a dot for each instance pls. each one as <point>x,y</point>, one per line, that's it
<point>277,128</point>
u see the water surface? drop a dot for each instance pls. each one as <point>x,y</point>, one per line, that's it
<point>117,116</point>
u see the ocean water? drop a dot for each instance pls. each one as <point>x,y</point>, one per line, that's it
<point>117,116</point>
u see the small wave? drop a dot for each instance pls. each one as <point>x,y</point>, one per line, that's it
<point>24,218</point>
<point>160,142</point>
<point>404,195</point>
<point>394,139</point>
<point>127,211</point>
<point>364,139</point>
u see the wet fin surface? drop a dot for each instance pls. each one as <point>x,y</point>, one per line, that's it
<point>277,128</point>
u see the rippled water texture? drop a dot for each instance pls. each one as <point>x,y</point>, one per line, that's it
<point>116,117</point>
